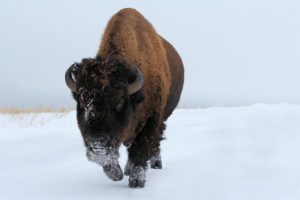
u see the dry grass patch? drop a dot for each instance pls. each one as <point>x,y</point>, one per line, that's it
<point>24,117</point>
<point>20,111</point>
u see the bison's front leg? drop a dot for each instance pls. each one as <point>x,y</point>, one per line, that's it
<point>108,159</point>
<point>113,171</point>
<point>137,162</point>
<point>155,163</point>
<point>144,147</point>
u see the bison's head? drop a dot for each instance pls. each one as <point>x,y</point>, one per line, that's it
<point>107,92</point>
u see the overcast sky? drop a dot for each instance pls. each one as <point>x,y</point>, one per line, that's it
<point>235,52</point>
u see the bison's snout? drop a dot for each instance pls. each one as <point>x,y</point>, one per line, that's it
<point>99,142</point>
<point>101,150</point>
<point>96,140</point>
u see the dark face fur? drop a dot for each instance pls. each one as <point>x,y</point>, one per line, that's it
<point>104,107</point>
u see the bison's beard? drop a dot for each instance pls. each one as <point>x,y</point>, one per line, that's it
<point>107,157</point>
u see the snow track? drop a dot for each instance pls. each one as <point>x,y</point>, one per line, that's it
<point>215,153</point>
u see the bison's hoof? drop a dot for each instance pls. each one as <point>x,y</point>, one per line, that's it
<point>128,168</point>
<point>114,172</point>
<point>137,177</point>
<point>155,162</point>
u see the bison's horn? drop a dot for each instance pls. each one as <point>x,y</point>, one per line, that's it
<point>137,84</point>
<point>71,83</point>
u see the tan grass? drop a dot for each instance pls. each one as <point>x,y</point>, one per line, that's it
<point>20,111</point>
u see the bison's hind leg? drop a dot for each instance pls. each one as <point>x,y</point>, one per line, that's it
<point>128,167</point>
<point>155,161</point>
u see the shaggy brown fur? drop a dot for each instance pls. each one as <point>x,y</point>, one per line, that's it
<point>130,35</point>
<point>129,42</point>
<point>156,57</point>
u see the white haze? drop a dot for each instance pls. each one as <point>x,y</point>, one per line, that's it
<point>235,52</point>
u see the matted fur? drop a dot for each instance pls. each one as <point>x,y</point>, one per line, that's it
<point>129,42</point>
<point>130,35</point>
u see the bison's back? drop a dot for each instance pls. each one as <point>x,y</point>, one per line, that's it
<point>176,75</point>
<point>131,36</point>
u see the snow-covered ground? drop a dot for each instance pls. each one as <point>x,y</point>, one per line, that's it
<point>236,153</point>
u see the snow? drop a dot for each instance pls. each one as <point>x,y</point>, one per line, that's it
<point>229,153</point>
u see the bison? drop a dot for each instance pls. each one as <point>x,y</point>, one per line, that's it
<point>125,94</point>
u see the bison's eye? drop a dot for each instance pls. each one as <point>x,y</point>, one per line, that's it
<point>120,105</point>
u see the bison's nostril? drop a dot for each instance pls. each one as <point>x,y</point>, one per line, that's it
<point>102,139</point>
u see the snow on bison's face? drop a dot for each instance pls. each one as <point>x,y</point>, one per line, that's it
<point>103,89</point>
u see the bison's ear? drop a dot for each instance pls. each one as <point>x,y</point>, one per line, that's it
<point>137,98</point>
<point>70,77</point>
